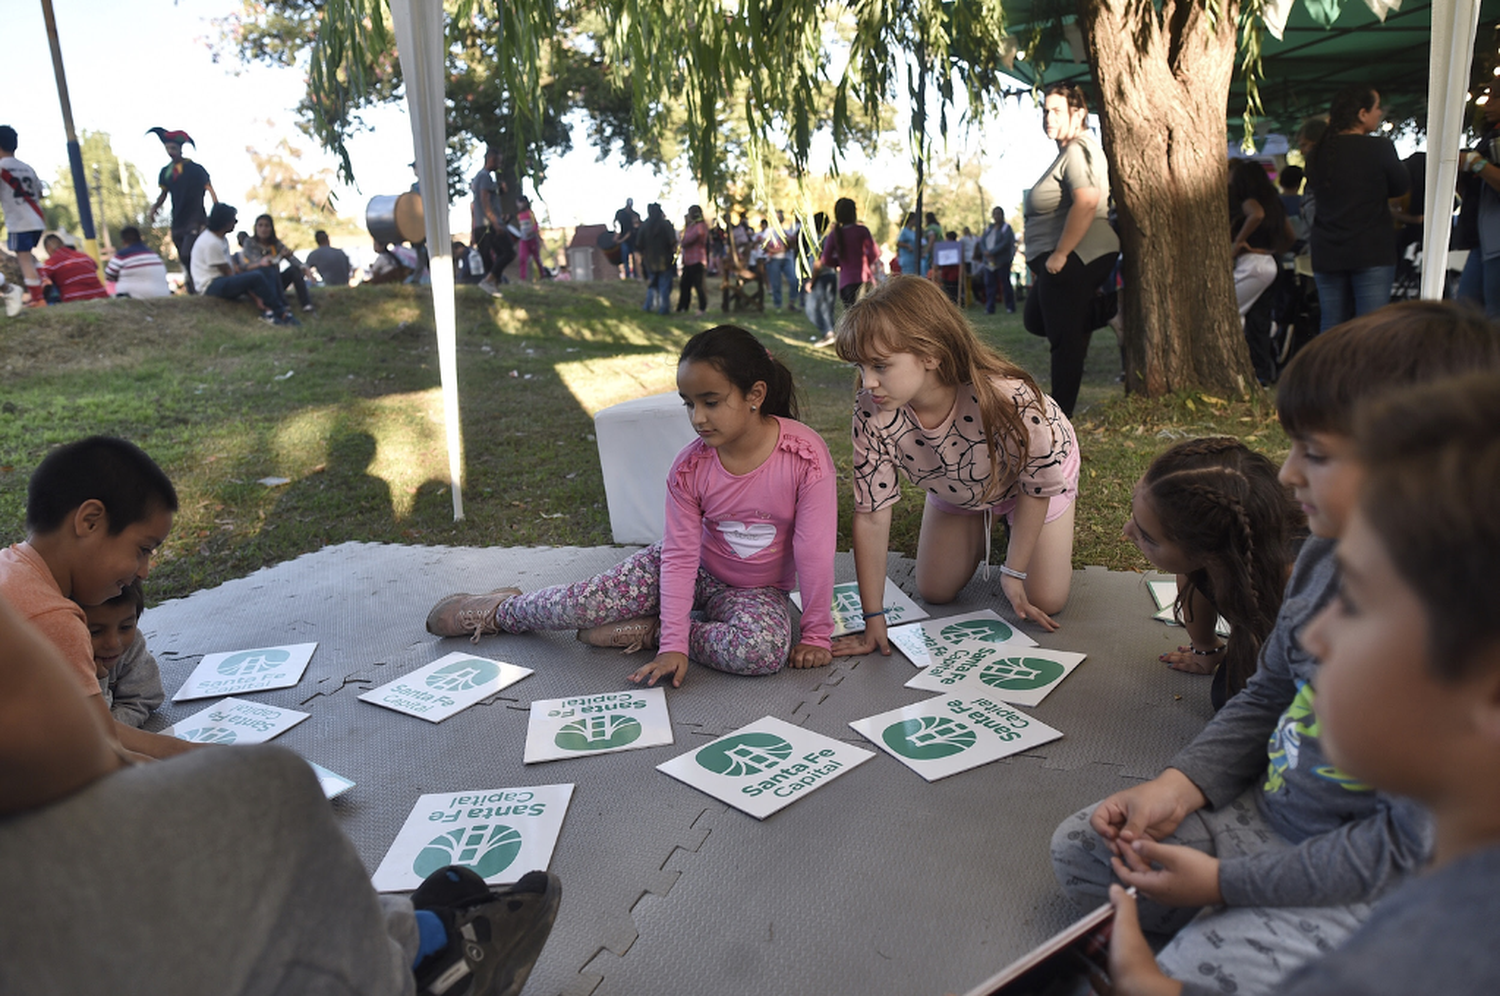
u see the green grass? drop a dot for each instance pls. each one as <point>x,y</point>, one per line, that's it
<point>357,426</point>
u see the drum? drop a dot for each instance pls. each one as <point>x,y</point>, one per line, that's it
<point>396,218</point>
<point>607,245</point>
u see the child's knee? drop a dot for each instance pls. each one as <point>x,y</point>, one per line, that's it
<point>1079,855</point>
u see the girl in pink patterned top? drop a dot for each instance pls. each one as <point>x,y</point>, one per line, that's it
<point>752,512</point>
<point>977,434</point>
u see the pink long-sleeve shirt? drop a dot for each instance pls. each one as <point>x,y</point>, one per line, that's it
<point>773,527</point>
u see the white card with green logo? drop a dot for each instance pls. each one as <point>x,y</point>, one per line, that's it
<point>243,671</point>
<point>765,766</point>
<point>1164,594</point>
<point>1017,674</point>
<point>499,833</point>
<point>597,724</point>
<point>849,614</point>
<point>331,784</point>
<point>235,721</point>
<point>448,685</point>
<point>924,643</point>
<point>953,733</point>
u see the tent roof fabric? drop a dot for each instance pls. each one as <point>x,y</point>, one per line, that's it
<point>1310,62</point>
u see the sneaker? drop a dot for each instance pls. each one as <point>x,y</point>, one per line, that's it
<point>494,935</point>
<point>288,319</point>
<point>828,340</point>
<point>308,308</point>
<point>468,615</point>
<point>489,286</point>
<point>630,635</point>
<point>14,299</point>
<point>269,317</point>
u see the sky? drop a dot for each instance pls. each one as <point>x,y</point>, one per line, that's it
<point>132,66</point>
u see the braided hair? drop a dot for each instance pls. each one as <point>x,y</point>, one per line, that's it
<point>1221,503</point>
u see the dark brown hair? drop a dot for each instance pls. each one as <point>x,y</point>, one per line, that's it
<point>741,358</point>
<point>1072,92</point>
<point>1432,495</point>
<point>1401,344</point>
<point>909,314</point>
<point>1221,503</point>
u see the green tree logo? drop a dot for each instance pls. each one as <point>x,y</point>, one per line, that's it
<point>746,754</point>
<point>599,732</point>
<point>249,662</point>
<point>488,848</point>
<point>1021,674</point>
<point>986,630</point>
<point>927,738</point>
<point>209,735</point>
<point>460,676</point>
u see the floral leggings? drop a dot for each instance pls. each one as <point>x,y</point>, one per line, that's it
<point>746,630</point>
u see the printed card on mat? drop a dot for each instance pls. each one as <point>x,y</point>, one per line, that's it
<point>597,724</point>
<point>1164,594</point>
<point>953,733</point>
<point>235,721</point>
<point>448,685</point>
<point>935,639</point>
<point>849,614</point>
<point>241,671</point>
<point>1016,674</point>
<point>500,833</point>
<point>765,766</point>
<point>332,784</point>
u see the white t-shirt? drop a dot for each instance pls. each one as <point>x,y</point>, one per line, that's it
<point>209,251</point>
<point>20,216</point>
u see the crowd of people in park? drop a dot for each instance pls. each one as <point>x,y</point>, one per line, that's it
<point>134,269</point>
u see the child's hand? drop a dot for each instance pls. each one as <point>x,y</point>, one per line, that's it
<point>804,656</point>
<point>670,663</point>
<point>1132,967</point>
<point>1015,590</point>
<point>1149,810</point>
<point>855,644</point>
<point>1181,876</point>
<point>1183,659</point>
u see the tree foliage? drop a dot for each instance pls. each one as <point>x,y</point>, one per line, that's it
<point>299,204</point>
<point>118,195</point>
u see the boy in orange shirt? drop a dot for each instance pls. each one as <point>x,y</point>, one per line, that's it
<point>95,511</point>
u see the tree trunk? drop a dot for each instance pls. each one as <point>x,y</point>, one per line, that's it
<point>1164,74</point>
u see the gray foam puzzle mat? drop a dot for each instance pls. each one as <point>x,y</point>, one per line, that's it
<point>876,883</point>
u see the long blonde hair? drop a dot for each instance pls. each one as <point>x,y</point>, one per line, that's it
<point>908,314</point>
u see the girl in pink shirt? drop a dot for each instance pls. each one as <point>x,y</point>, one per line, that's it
<point>752,512</point>
<point>972,430</point>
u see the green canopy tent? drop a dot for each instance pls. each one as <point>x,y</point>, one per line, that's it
<point>1408,51</point>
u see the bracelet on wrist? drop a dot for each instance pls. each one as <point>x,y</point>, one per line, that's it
<point>1011,572</point>
<point>872,615</point>
<point>1209,653</point>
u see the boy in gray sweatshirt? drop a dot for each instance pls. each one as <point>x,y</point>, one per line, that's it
<point>1254,847</point>
<point>1410,646</point>
<point>129,679</point>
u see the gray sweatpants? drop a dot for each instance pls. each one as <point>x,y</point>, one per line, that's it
<point>1245,950</point>
<point>222,871</point>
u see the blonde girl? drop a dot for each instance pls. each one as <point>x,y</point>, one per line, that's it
<point>976,433</point>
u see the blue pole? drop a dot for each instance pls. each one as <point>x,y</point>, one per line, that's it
<point>75,154</point>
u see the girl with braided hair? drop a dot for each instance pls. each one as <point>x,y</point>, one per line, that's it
<point>1212,512</point>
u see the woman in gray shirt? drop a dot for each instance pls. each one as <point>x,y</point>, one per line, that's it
<point>1070,248</point>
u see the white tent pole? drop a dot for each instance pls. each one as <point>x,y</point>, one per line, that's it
<point>420,44</point>
<point>1454,26</point>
